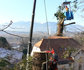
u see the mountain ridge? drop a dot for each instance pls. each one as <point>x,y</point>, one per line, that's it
<point>24,26</point>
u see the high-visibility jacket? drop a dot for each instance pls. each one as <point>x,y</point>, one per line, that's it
<point>67,9</point>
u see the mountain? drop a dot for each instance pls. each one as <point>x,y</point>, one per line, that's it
<point>23,27</point>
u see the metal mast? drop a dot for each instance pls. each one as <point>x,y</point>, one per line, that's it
<point>31,34</point>
<point>31,29</point>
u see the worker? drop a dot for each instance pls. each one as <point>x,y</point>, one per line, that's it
<point>68,14</point>
<point>67,9</point>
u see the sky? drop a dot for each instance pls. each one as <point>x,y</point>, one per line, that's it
<point>21,10</point>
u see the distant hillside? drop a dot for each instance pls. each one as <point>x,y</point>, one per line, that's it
<point>23,26</point>
<point>4,43</point>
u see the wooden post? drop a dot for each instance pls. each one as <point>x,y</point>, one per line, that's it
<point>38,59</point>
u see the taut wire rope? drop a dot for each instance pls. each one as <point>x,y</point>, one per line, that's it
<point>46,16</point>
<point>48,33</point>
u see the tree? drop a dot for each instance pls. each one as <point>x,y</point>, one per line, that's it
<point>7,26</point>
<point>5,65</point>
<point>61,17</point>
<point>80,7</point>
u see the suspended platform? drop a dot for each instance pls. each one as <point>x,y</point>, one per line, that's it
<point>65,3</point>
